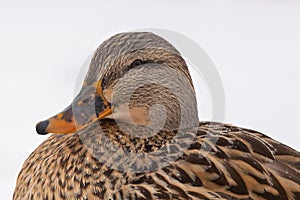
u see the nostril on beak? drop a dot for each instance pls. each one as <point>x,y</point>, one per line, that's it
<point>41,127</point>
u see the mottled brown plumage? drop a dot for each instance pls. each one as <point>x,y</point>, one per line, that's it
<point>216,161</point>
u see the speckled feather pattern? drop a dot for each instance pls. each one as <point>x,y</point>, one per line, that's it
<point>243,164</point>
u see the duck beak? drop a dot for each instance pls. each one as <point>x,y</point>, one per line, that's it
<point>89,106</point>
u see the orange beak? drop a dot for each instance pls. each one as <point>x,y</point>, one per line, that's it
<point>89,106</point>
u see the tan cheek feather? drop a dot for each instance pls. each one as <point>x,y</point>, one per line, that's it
<point>135,115</point>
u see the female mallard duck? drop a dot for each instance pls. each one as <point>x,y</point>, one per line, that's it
<point>108,146</point>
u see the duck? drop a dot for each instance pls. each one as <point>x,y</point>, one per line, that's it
<point>133,132</point>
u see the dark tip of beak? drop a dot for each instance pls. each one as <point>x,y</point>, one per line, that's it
<point>41,127</point>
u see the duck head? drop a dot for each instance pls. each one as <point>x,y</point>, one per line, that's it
<point>135,78</point>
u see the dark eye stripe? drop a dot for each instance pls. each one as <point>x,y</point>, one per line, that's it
<point>136,63</point>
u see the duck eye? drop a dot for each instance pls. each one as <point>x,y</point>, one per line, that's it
<point>136,63</point>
